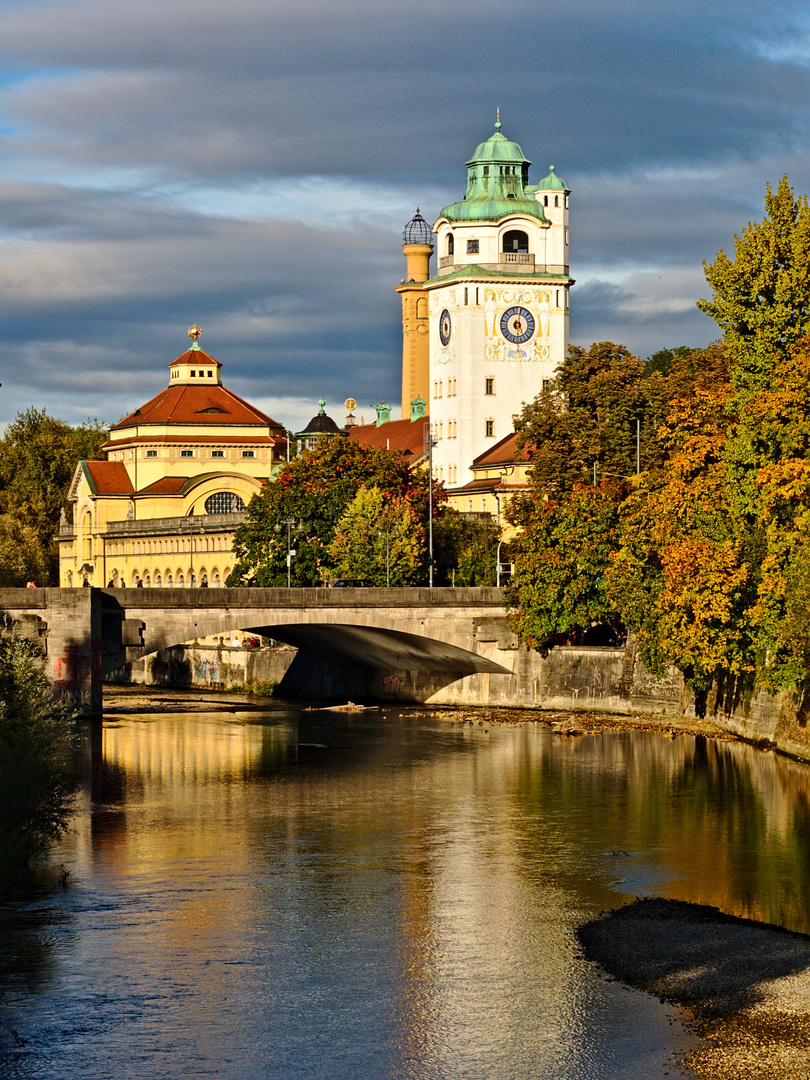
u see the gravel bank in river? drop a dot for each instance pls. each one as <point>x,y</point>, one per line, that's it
<point>744,986</point>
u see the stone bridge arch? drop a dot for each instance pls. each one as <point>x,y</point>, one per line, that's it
<point>437,635</point>
<point>415,629</point>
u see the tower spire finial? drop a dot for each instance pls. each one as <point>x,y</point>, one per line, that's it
<point>498,118</point>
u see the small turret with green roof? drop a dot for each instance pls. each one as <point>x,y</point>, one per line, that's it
<point>552,182</point>
<point>497,183</point>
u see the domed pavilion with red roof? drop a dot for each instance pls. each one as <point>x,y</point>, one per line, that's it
<point>180,470</point>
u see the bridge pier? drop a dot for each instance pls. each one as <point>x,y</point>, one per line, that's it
<point>67,623</point>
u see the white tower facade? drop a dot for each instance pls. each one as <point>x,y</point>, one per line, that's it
<point>498,303</point>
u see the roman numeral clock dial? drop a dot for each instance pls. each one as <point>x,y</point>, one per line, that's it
<point>517,325</point>
<point>445,327</point>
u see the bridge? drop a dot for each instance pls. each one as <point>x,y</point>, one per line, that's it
<point>425,639</point>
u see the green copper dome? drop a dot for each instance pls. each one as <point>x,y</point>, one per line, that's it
<point>552,182</point>
<point>498,148</point>
<point>497,184</point>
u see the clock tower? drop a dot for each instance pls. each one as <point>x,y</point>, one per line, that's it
<point>497,305</point>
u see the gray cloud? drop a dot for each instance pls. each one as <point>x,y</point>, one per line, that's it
<point>248,165</point>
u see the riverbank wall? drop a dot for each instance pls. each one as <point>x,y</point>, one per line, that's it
<point>210,667</point>
<point>613,680</point>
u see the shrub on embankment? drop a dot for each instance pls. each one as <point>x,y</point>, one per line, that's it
<point>37,774</point>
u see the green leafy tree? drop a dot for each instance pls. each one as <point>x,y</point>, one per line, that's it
<point>599,395</point>
<point>661,362</point>
<point>589,416</point>
<point>38,455</point>
<point>761,297</point>
<point>561,558</point>
<point>37,779</point>
<point>314,491</point>
<point>465,550</point>
<point>22,558</point>
<point>379,540</point>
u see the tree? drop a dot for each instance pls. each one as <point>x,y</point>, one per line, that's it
<point>314,491</point>
<point>681,577</point>
<point>22,558</point>
<point>661,362</point>
<point>761,299</point>
<point>589,416</point>
<point>558,586</point>
<point>379,540</point>
<point>465,550</point>
<point>38,455</point>
<point>599,395</point>
<point>37,780</point>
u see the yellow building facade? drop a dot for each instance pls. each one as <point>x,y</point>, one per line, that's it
<point>499,474</point>
<point>162,509</point>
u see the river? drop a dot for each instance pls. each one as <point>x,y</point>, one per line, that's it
<point>287,894</point>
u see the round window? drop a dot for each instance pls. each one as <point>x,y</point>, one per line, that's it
<point>224,502</point>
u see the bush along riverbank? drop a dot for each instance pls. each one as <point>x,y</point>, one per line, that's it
<point>37,772</point>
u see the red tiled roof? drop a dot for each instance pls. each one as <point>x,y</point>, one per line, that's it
<point>400,435</point>
<point>191,405</point>
<point>504,452</point>
<point>167,485</point>
<point>109,477</point>
<point>196,357</point>
<point>492,483</point>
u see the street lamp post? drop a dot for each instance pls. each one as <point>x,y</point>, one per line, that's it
<point>499,564</point>
<point>387,532</point>
<point>429,443</point>
<point>289,522</point>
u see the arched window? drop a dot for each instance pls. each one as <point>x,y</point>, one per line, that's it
<point>217,582</point>
<point>158,581</point>
<point>224,502</point>
<point>181,581</point>
<point>169,580</point>
<point>451,244</point>
<point>515,240</point>
<point>87,537</point>
<point>147,580</point>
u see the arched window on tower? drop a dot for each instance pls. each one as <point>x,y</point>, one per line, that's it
<point>451,244</point>
<point>515,240</point>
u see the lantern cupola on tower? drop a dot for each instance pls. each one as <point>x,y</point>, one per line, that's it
<point>417,247</point>
<point>195,367</point>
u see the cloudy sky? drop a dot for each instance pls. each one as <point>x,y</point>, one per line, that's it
<point>249,164</point>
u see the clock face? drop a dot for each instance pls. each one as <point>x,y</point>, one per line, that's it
<point>517,325</point>
<point>445,326</point>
